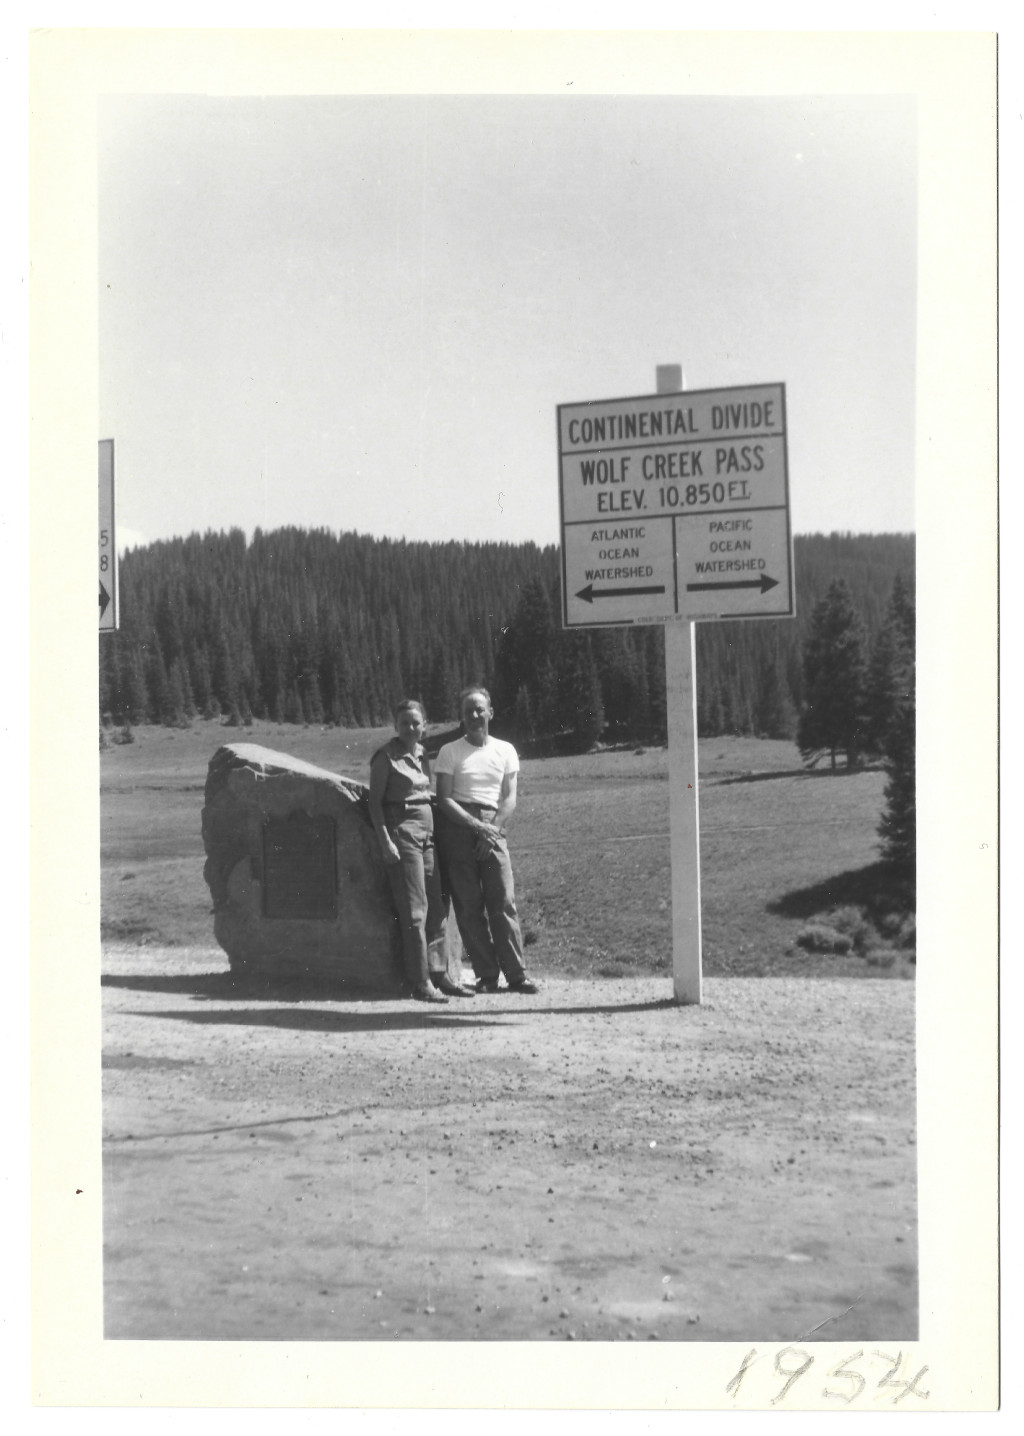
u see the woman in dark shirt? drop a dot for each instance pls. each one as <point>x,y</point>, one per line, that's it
<point>404,822</point>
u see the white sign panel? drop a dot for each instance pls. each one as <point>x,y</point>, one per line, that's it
<point>107,547</point>
<point>675,506</point>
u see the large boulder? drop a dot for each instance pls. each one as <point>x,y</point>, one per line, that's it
<point>294,867</point>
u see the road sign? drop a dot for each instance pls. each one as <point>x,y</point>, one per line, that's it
<point>675,506</point>
<point>107,545</point>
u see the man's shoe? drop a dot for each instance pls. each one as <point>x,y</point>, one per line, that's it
<point>428,994</point>
<point>444,984</point>
<point>524,985</point>
<point>487,986</point>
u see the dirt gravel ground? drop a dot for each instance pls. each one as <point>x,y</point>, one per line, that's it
<point>594,1163</point>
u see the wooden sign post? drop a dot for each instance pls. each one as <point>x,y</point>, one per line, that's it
<point>676,509</point>
<point>683,790</point>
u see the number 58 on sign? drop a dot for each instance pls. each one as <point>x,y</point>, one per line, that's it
<point>107,547</point>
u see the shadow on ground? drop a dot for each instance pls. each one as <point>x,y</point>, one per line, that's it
<point>319,1020</point>
<point>795,773</point>
<point>234,987</point>
<point>231,987</point>
<point>878,888</point>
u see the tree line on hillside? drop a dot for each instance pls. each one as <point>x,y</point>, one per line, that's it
<point>856,693</point>
<point>310,626</point>
<point>304,626</point>
<point>858,700</point>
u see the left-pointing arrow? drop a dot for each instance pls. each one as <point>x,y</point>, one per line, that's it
<point>589,593</point>
<point>104,599</point>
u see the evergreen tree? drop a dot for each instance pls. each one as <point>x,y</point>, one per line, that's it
<point>709,706</point>
<point>134,697</point>
<point>273,650</point>
<point>545,699</point>
<point>202,686</point>
<point>522,716</point>
<point>879,697</point>
<point>726,712</point>
<point>898,828</point>
<point>892,656</point>
<point>440,692</point>
<point>225,672</point>
<point>833,679</point>
<point>312,701</point>
<point>794,674</point>
<point>654,649</point>
<point>617,675</point>
<point>524,651</point>
<point>902,612</point>
<point>638,718</point>
<point>774,715</point>
<point>171,711</point>
<point>372,617</point>
<point>162,708</point>
<point>170,610</point>
<point>343,699</point>
<point>579,692</point>
<point>110,677</point>
<point>181,689</point>
<point>293,711</point>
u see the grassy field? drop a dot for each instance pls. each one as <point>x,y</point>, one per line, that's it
<point>788,857</point>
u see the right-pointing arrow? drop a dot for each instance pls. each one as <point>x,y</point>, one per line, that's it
<point>104,599</point>
<point>764,583</point>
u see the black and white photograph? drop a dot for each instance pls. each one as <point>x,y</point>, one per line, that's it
<point>512,572</point>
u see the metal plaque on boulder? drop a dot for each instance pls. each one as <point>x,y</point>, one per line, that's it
<point>297,878</point>
<point>300,866</point>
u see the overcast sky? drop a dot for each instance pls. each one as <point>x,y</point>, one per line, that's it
<point>360,313</point>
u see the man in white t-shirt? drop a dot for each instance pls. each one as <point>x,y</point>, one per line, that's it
<point>476,797</point>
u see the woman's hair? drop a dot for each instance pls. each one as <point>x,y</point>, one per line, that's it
<point>473,688</point>
<point>410,703</point>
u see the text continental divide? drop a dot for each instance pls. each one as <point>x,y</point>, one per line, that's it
<point>664,423</point>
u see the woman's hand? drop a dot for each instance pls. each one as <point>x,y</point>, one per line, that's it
<point>392,855</point>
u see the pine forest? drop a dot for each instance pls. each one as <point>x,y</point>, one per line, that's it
<point>317,627</point>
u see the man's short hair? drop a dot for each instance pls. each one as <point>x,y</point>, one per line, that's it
<point>468,692</point>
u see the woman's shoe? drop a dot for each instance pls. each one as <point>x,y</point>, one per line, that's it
<point>444,984</point>
<point>428,994</point>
